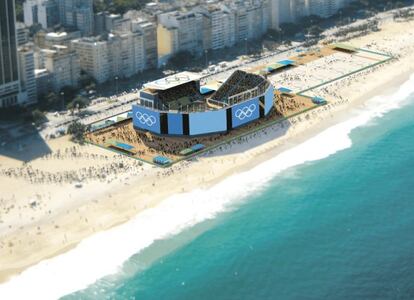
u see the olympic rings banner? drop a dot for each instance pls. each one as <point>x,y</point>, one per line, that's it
<point>245,112</point>
<point>144,118</point>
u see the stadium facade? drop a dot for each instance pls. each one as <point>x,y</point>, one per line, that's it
<point>178,106</point>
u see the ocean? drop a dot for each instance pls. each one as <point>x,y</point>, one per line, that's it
<point>332,218</point>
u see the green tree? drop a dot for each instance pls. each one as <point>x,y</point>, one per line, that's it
<point>290,29</point>
<point>78,103</point>
<point>315,30</point>
<point>38,117</point>
<point>19,10</point>
<point>77,130</point>
<point>180,60</point>
<point>49,102</point>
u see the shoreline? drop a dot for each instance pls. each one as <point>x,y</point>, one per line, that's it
<point>234,159</point>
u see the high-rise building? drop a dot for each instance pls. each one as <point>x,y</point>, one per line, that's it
<point>222,27</point>
<point>251,19</point>
<point>22,34</point>
<point>43,82</point>
<point>242,22</point>
<point>122,54</point>
<point>30,15</point>
<point>77,14</point>
<point>93,54</point>
<point>149,32</point>
<point>9,68</point>
<point>178,31</point>
<point>43,12</point>
<point>63,65</point>
<point>27,74</point>
<point>289,11</point>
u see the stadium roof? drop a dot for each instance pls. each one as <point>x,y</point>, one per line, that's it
<point>172,81</point>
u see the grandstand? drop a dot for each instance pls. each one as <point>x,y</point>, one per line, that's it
<point>238,87</point>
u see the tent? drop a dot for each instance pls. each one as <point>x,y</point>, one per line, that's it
<point>161,160</point>
<point>197,147</point>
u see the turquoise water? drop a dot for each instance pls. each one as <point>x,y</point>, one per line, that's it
<point>338,228</point>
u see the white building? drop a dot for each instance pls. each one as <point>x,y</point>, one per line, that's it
<point>257,18</point>
<point>277,13</point>
<point>43,12</point>
<point>252,19</point>
<point>241,22</point>
<point>121,55</point>
<point>43,82</point>
<point>94,57</point>
<point>27,74</point>
<point>63,65</point>
<point>290,11</point>
<point>149,31</point>
<point>178,31</point>
<point>60,38</point>
<point>223,30</point>
<point>22,33</point>
<point>127,53</point>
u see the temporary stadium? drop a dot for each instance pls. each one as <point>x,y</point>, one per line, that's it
<point>178,106</point>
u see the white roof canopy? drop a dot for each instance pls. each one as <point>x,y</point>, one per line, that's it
<point>172,81</point>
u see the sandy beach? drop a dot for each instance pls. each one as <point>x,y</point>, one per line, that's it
<point>49,205</point>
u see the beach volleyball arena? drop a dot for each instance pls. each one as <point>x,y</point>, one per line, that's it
<point>182,115</point>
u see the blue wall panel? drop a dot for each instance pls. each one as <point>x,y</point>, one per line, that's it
<point>245,112</point>
<point>208,122</point>
<point>175,124</point>
<point>268,99</point>
<point>145,118</point>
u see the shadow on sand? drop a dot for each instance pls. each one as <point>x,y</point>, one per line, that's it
<point>28,146</point>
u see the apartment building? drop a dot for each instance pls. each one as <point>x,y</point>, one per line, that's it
<point>22,34</point>
<point>178,31</point>
<point>149,31</point>
<point>290,11</point>
<point>94,57</point>
<point>127,49</point>
<point>27,74</point>
<point>223,27</point>
<point>63,64</point>
<point>77,14</point>
<point>60,38</point>
<point>122,54</point>
<point>43,12</point>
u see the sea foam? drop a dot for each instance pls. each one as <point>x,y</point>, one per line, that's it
<point>104,253</point>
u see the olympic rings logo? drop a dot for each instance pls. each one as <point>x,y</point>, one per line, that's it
<point>145,119</point>
<point>245,112</point>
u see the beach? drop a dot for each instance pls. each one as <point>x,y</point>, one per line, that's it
<point>71,200</point>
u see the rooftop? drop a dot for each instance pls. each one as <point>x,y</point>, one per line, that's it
<point>172,81</point>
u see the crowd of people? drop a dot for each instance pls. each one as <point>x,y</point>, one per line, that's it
<point>173,95</point>
<point>148,145</point>
<point>238,82</point>
<point>103,169</point>
<point>289,104</point>
<point>314,72</point>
